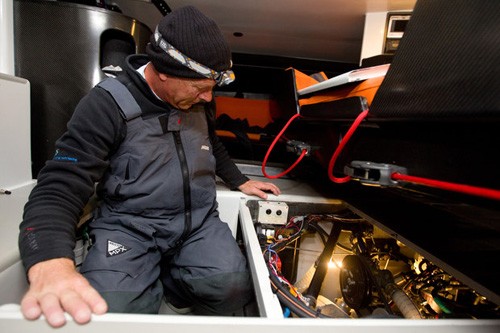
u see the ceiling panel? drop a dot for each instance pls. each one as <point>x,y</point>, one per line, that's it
<point>329,30</point>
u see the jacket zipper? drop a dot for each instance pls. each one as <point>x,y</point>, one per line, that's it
<point>186,187</point>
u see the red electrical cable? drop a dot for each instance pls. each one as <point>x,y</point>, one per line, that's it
<point>271,147</point>
<point>461,188</point>
<point>341,145</point>
<point>467,189</point>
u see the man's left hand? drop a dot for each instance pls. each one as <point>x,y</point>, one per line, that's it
<point>258,188</point>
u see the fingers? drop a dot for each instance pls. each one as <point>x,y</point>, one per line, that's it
<point>79,307</point>
<point>97,304</point>
<point>263,186</point>
<point>258,188</point>
<point>259,193</point>
<point>30,308</point>
<point>52,310</point>
<point>33,307</point>
<point>273,188</point>
<point>56,288</point>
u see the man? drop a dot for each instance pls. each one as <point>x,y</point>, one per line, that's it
<point>154,156</point>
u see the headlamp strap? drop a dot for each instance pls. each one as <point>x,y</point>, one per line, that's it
<point>222,78</point>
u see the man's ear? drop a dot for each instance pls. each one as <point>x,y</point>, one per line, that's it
<point>162,76</point>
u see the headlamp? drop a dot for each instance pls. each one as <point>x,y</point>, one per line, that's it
<point>221,78</point>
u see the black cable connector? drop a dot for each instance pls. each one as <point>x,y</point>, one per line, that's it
<point>298,147</point>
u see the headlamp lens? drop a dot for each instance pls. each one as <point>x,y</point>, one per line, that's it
<point>225,78</point>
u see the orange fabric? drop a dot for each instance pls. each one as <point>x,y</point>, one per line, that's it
<point>229,134</point>
<point>257,112</point>
<point>323,75</point>
<point>367,88</point>
<point>303,80</point>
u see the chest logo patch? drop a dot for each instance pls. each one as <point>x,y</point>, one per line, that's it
<point>115,248</point>
<point>205,147</point>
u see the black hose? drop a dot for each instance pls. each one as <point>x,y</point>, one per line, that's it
<point>322,265</point>
<point>287,299</point>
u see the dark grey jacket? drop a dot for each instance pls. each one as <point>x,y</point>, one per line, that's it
<point>167,172</point>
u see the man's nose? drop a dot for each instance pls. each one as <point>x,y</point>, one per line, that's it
<point>206,96</point>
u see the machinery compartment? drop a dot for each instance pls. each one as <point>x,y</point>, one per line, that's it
<point>326,261</point>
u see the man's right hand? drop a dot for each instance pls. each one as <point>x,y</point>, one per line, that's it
<point>56,287</point>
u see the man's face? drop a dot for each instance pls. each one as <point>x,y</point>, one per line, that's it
<point>183,93</point>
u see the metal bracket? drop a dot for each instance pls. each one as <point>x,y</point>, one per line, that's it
<point>373,173</point>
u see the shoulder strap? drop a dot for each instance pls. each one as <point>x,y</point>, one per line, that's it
<point>123,97</point>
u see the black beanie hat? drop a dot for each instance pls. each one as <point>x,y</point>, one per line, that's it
<point>196,36</point>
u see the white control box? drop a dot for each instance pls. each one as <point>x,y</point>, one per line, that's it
<point>272,212</point>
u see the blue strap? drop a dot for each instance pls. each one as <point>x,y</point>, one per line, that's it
<point>122,97</point>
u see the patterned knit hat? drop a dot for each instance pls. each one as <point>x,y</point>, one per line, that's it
<point>196,37</point>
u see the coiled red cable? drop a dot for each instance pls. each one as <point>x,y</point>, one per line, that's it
<point>271,147</point>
